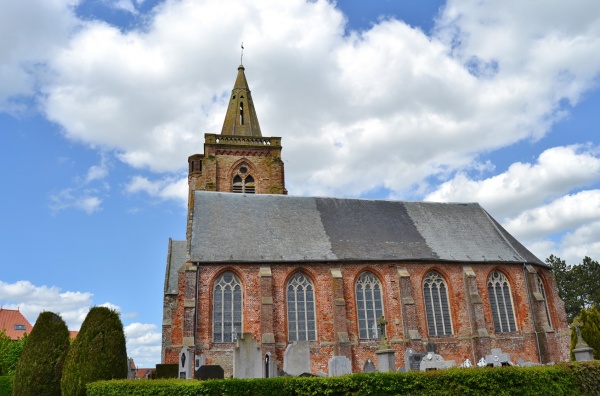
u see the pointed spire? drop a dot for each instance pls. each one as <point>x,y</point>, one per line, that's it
<point>240,118</point>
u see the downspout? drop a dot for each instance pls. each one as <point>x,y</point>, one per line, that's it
<point>196,314</point>
<point>537,338</point>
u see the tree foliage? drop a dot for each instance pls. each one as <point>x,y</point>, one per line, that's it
<point>39,369</point>
<point>589,328</point>
<point>578,285</point>
<point>98,352</point>
<point>10,351</point>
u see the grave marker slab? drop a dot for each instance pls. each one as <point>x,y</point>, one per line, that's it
<point>339,365</point>
<point>296,358</point>
<point>212,371</point>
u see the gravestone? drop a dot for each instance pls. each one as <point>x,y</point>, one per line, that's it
<point>200,361</point>
<point>523,363</point>
<point>185,364</point>
<point>247,358</point>
<point>211,371</point>
<point>498,359</point>
<point>270,369</point>
<point>433,361</point>
<point>296,358</point>
<point>369,367</point>
<point>339,365</point>
<point>582,350</point>
<point>412,360</point>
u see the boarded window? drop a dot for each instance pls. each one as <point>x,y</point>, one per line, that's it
<point>227,308</point>
<point>369,305</point>
<point>437,309</point>
<point>501,303</point>
<point>243,185</point>
<point>301,309</point>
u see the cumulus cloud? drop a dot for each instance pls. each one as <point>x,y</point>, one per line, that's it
<point>169,188</point>
<point>436,103</point>
<point>143,340</point>
<point>524,186</point>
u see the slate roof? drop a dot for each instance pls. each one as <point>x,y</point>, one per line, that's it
<point>175,259</point>
<point>278,228</point>
<point>14,323</point>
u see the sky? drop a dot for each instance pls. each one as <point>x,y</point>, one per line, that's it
<point>102,101</point>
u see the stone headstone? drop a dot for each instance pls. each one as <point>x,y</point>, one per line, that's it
<point>270,369</point>
<point>498,359</point>
<point>433,361</point>
<point>412,360</point>
<point>213,371</point>
<point>386,360</point>
<point>296,358</point>
<point>185,364</point>
<point>200,361</point>
<point>523,363</point>
<point>339,365</point>
<point>247,358</point>
<point>369,367</point>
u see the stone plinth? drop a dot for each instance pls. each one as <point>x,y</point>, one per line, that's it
<point>386,360</point>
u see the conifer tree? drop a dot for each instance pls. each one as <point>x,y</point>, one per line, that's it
<point>39,369</point>
<point>98,352</point>
<point>589,329</point>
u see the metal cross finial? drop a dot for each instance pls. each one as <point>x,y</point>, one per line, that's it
<point>242,56</point>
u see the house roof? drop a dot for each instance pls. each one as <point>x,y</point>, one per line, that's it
<point>175,260</point>
<point>230,227</point>
<point>14,323</point>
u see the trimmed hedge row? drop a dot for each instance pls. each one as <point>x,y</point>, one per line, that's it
<point>563,379</point>
<point>6,385</point>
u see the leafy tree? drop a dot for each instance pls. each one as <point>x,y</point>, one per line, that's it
<point>39,369</point>
<point>578,285</point>
<point>589,329</point>
<point>98,352</point>
<point>10,351</point>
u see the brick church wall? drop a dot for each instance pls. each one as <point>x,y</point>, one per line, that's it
<point>338,315</point>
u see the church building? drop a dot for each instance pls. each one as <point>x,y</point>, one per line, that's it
<point>339,274</point>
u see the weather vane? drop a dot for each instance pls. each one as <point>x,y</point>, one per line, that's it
<point>242,56</point>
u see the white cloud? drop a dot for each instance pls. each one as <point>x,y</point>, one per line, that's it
<point>31,32</point>
<point>143,340</point>
<point>169,188</point>
<point>437,102</point>
<point>85,200</point>
<point>524,186</point>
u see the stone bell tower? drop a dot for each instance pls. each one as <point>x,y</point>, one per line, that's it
<point>240,159</point>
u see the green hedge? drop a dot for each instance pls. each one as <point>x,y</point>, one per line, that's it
<point>572,379</point>
<point>6,386</point>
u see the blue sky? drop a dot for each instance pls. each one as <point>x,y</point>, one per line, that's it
<point>102,101</point>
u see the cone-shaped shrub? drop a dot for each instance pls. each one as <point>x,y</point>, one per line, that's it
<point>40,366</point>
<point>98,352</point>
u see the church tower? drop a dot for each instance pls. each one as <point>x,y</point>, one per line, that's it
<point>240,159</point>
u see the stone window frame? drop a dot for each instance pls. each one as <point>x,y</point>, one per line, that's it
<point>301,285</point>
<point>437,308</point>
<point>542,290</point>
<point>247,183</point>
<point>226,331</point>
<point>367,312</point>
<point>503,308</point>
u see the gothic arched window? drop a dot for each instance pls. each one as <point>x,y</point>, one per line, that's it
<point>227,308</point>
<point>243,183</point>
<point>369,305</point>
<point>540,285</point>
<point>501,303</point>
<point>301,309</point>
<point>437,310</point>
